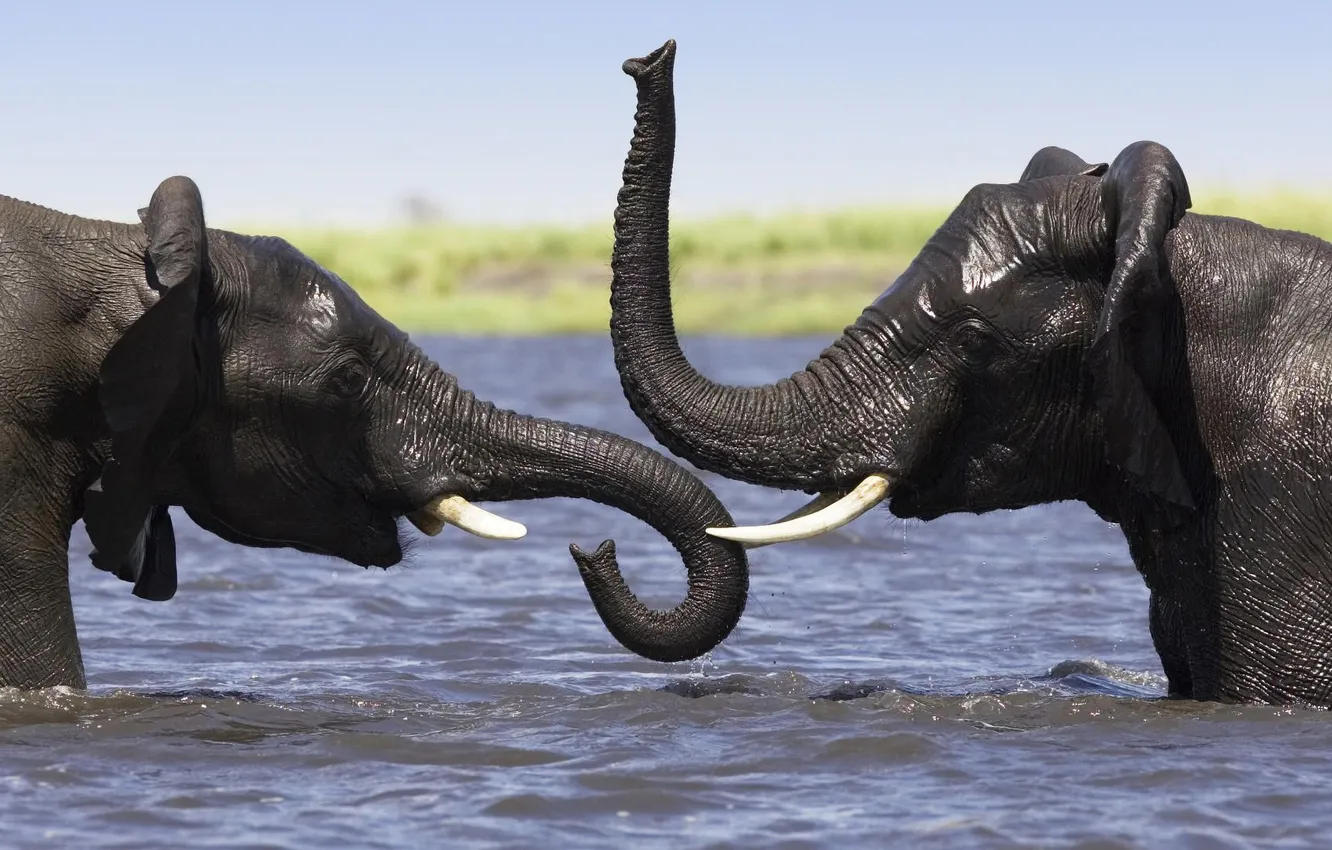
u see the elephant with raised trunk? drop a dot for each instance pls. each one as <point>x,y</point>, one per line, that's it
<point>158,364</point>
<point>1074,335</point>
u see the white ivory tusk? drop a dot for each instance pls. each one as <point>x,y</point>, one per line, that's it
<point>455,510</point>
<point>814,505</point>
<point>426,523</point>
<point>813,519</point>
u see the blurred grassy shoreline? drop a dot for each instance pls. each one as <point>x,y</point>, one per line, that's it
<point>800,273</point>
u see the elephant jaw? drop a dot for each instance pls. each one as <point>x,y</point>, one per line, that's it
<point>828,511</point>
<point>455,510</point>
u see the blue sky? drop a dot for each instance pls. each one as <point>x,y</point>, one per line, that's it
<point>517,111</point>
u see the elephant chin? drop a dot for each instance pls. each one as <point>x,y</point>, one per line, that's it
<point>378,541</point>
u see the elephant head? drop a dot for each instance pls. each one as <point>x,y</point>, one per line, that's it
<point>261,394</point>
<point>1019,359</point>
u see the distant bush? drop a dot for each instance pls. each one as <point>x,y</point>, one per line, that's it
<point>447,276</point>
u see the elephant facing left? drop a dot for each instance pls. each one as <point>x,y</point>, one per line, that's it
<point>167,364</point>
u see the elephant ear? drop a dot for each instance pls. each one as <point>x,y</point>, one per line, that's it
<point>1054,161</point>
<point>150,388</point>
<point>1145,195</point>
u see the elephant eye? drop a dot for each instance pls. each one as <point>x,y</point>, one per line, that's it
<point>973,340</point>
<point>350,378</point>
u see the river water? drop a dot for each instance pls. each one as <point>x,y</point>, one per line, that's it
<point>970,682</point>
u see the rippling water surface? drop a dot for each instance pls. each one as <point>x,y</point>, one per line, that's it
<point>973,681</point>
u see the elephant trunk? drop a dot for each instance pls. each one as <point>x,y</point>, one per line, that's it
<point>775,435</point>
<point>540,458</point>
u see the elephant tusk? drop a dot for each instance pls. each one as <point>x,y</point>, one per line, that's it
<point>818,517</point>
<point>455,510</point>
<point>814,505</point>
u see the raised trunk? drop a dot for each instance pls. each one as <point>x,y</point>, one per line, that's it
<point>541,458</point>
<point>769,435</point>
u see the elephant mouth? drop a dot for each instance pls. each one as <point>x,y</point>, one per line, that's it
<point>911,502</point>
<point>449,509</point>
<point>376,544</point>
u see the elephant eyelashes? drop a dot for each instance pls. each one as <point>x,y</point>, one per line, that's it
<point>349,379</point>
<point>974,341</point>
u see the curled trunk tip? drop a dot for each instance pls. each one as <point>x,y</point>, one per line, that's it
<point>707,616</point>
<point>658,61</point>
<point>547,458</point>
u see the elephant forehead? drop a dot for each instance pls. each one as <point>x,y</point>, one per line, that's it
<point>974,256</point>
<point>986,262</point>
<point>952,270</point>
<point>990,234</point>
<point>326,303</point>
<point>319,306</point>
<point>289,285</point>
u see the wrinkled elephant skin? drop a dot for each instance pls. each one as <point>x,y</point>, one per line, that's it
<point>1074,335</point>
<point>163,363</point>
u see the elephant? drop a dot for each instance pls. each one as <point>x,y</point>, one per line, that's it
<point>164,363</point>
<point>1075,335</point>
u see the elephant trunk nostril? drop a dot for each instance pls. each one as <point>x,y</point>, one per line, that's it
<point>662,57</point>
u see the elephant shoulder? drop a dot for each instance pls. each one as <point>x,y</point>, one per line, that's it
<point>1257,306</point>
<point>1248,288</point>
<point>68,288</point>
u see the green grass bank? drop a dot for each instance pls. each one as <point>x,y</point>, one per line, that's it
<point>774,275</point>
